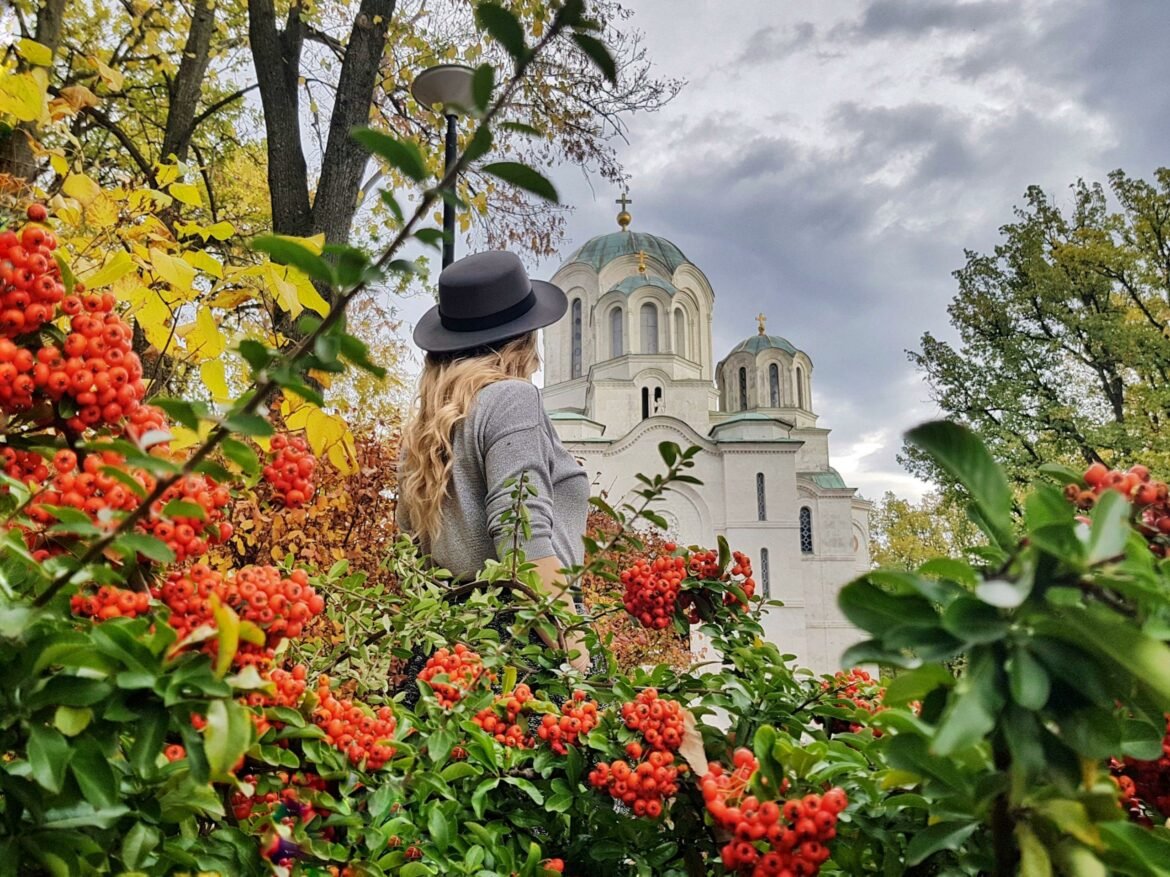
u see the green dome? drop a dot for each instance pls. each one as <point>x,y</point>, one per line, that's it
<point>757,343</point>
<point>640,280</point>
<point>603,249</point>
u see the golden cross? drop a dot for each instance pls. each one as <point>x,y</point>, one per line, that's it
<point>642,261</point>
<point>762,320</point>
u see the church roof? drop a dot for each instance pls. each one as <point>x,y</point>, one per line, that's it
<point>637,281</point>
<point>603,249</point>
<point>830,480</point>
<point>756,343</point>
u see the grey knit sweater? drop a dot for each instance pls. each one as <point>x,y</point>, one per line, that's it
<point>507,432</point>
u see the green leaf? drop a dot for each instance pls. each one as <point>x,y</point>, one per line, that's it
<point>974,621</point>
<point>415,869</point>
<point>439,744</point>
<point>523,177</point>
<point>875,610</point>
<point>148,546</point>
<point>598,53</point>
<point>138,843</point>
<point>48,757</point>
<point>482,84</point>
<point>83,815</point>
<point>1110,530</point>
<point>227,636</point>
<point>242,455</point>
<point>95,777</point>
<point>479,796</point>
<point>249,424</point>
<point>948,835</point>
<point>1099,631</point>
<point>68,278</point>
<point>963,456</point>
<point>1149,846</point>
<point>1027,679</point>
<point>255,354</point>
<point>149,734</point>
<point>286,251</point>
<point>480,144</point>
<point>503,27</point>
<point>179,508</point>
<point>439,829</point>
<point>71,720</point>
<point>181,410</point>
<point>226,738</point>
<point>916,684</point>
<point>971,709</point>
<point>356,351</point>
<point>401,154</point>
<point>529,788</point>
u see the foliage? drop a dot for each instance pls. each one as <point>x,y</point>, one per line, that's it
<point>1063,328</point>
<point>1067,666</point>
<point>905,534</point>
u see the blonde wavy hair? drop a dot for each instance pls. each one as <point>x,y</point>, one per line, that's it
<point>446,390</point>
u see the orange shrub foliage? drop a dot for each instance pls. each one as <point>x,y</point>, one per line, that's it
<point>633,645</point>
<point>350,517</point>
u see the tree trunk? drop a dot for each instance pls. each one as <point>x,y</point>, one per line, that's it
<point>16,155</point>
<point>344,164</point>
<point>189,84</point>
<point>276,55</point>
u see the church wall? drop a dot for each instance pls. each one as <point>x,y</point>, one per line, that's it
<point>832,564</point>
<point>814,454</point>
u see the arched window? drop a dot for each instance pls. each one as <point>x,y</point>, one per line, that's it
<point>656,405</point>
<point>799,387</point>
<point>774,385</point>
<point>743,389</point>
<point>645,402</point>
<point>680,333</point>
<point>761,501</point>
<point>649,328</point>
<point>806,536</point>
<point>765,578</point>
<point>576,361</point>
<point>616,345</point>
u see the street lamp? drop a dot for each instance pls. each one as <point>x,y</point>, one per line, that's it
<point>449,87</point>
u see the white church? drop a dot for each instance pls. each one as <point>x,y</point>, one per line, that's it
<point>631,365</point>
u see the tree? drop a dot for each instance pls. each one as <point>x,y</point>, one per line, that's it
<point>905,534</point>
<point>1064,332</point>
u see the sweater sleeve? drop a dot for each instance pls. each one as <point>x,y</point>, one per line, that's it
<point>513,440</point>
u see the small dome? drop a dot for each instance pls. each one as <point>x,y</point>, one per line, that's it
<point>603,249</point>
<point>640,280</point>
<point>757,343</point>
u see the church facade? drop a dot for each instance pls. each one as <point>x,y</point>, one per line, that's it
<point>632,364</point>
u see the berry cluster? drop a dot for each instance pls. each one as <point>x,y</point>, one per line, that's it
<point>289,688</point>
<point>451,673</point>
<point>189,536</point>
<point>286,805</point>
<point>1151,498</point>
<point>578,717</point>
<point>741,567</point>
<point>660,721</point>
<point>291,470</point>
<point>859,688</point>
<point>652,590</point>
<point>89,488</point>
<point>354,731</point>
<point>506,728</point>
<point>110,602</point>
<point>1145,785</point>
<point>770,838</point>
<point>30,279</point>
<point>642,786</point>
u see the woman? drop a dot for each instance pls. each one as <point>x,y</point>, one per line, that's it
<point>479,425</point>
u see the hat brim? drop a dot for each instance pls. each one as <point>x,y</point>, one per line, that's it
<point>432,336</point>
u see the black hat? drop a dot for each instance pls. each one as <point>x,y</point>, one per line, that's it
<point>485,298</point>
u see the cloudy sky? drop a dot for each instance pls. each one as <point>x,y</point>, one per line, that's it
<point>833,159</point>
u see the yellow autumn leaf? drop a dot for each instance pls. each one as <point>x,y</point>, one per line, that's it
<point>22,96</point>
<point>215,380</point>
<point>78,97</point>
<point>103,212</point>
<point>307,293</point>
<point>183,438</point>
<point>231,298</point>
<point>343,456</point>
<point>186,193</point>
<point>166,173</point>
<point>203,337</point>
<point>111,77</point>
<point>221,231</point>
<point>282,289</point>
<point>295,413</point>
<point>205,262</point>
<point>151,312</point>
<point>323,430</point>
<point>81,187</point>
<point>116,267</point>
<point>59,164</point>
<point>35,53</point>
<point>315,244</point>
<point>176,272</point>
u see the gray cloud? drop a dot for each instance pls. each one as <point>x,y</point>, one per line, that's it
<point>915,18</point>
<point>773,42</point>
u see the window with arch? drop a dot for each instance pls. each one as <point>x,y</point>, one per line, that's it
<point>652,401</point>
<point>616,326</point>
<point>774,385</point>
<point>765,574</point>
<point>743,389</point>
<point>680,333</point>
<point>799,387</point>
<point>806,533</point>
<point>761,499</point>
<point>649,327</point>
<point>575,369</point>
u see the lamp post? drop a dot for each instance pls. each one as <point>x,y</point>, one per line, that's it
<point>447,86</point>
